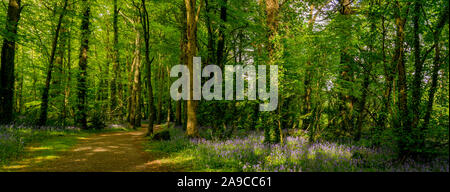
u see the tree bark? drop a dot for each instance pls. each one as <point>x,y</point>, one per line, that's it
<point>146,27</point>
<point>82,86</point>
<point>191,51</point>
<point>418,74</point>
<point>404,131</point>
<point>272,10</point>
<point>7,62</point>
<point>115,85</point>
<point>135,109</point>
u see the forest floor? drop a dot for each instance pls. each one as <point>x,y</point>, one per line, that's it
<point>103,152</point>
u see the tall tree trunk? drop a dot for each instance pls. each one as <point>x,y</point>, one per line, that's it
<point>436,67</point>
<point>7,62</point>
<point>82,76</point>
<point>135,113</point>
<point>69,79</point>
<point>169,101</point>
<point>115,81</point>
<point>272,10</point>
<point>44,104</point>
<point>183,60</point>
<point>418,74</point>
<point>191,51</point>
<point>346,74</point>
<point>160,88</point>
<point>146,26</point>
<point>404,131</point>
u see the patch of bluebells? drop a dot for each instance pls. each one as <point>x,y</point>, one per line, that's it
<point>250,154</point>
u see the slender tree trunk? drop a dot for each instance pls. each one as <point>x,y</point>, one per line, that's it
<point>135,113</point>
<point>62,73</point>
<point>183,60</point>
<point>389,72</point>
<point>7,62</point>
<point>115,85</point>
<point>169,101</point>
<point>367,72</point>
<point>130,88</point>
<point>418,74</point>
<point>211,36</point>
<point>69,79</point>
<point>221,42</point>
<point>160,88</point>
<point>82,76</point>
<point>404,131</point>
<point>44,104</point>
<point>436,67</point>
<point>146,26</point>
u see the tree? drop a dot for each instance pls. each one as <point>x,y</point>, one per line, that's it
<point>148,63</point>
<point>404,129</point>
<point>7,62</point>
<point>346,68</point>
<point>191,50</point>
<point>116,85</point>
<point>443,19</point>
<point>82,64</point>
<point>44,104</point>
<point>272,133</point>
<point>135,107</point>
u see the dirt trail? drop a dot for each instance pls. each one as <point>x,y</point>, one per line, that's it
<point>107,152</point>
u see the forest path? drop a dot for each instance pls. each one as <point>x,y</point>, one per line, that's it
<point>107,152</point>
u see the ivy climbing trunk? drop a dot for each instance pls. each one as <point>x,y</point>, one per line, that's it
<point>272,10</point>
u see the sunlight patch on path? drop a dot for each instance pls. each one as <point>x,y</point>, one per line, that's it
<point>105,152</point>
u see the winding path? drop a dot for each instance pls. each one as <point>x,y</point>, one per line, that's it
<point>107,152</point>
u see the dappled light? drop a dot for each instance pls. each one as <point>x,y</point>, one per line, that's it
<point>224,86</point>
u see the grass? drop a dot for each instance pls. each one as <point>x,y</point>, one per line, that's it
<point>22,147</point>
<point>174,152</point>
